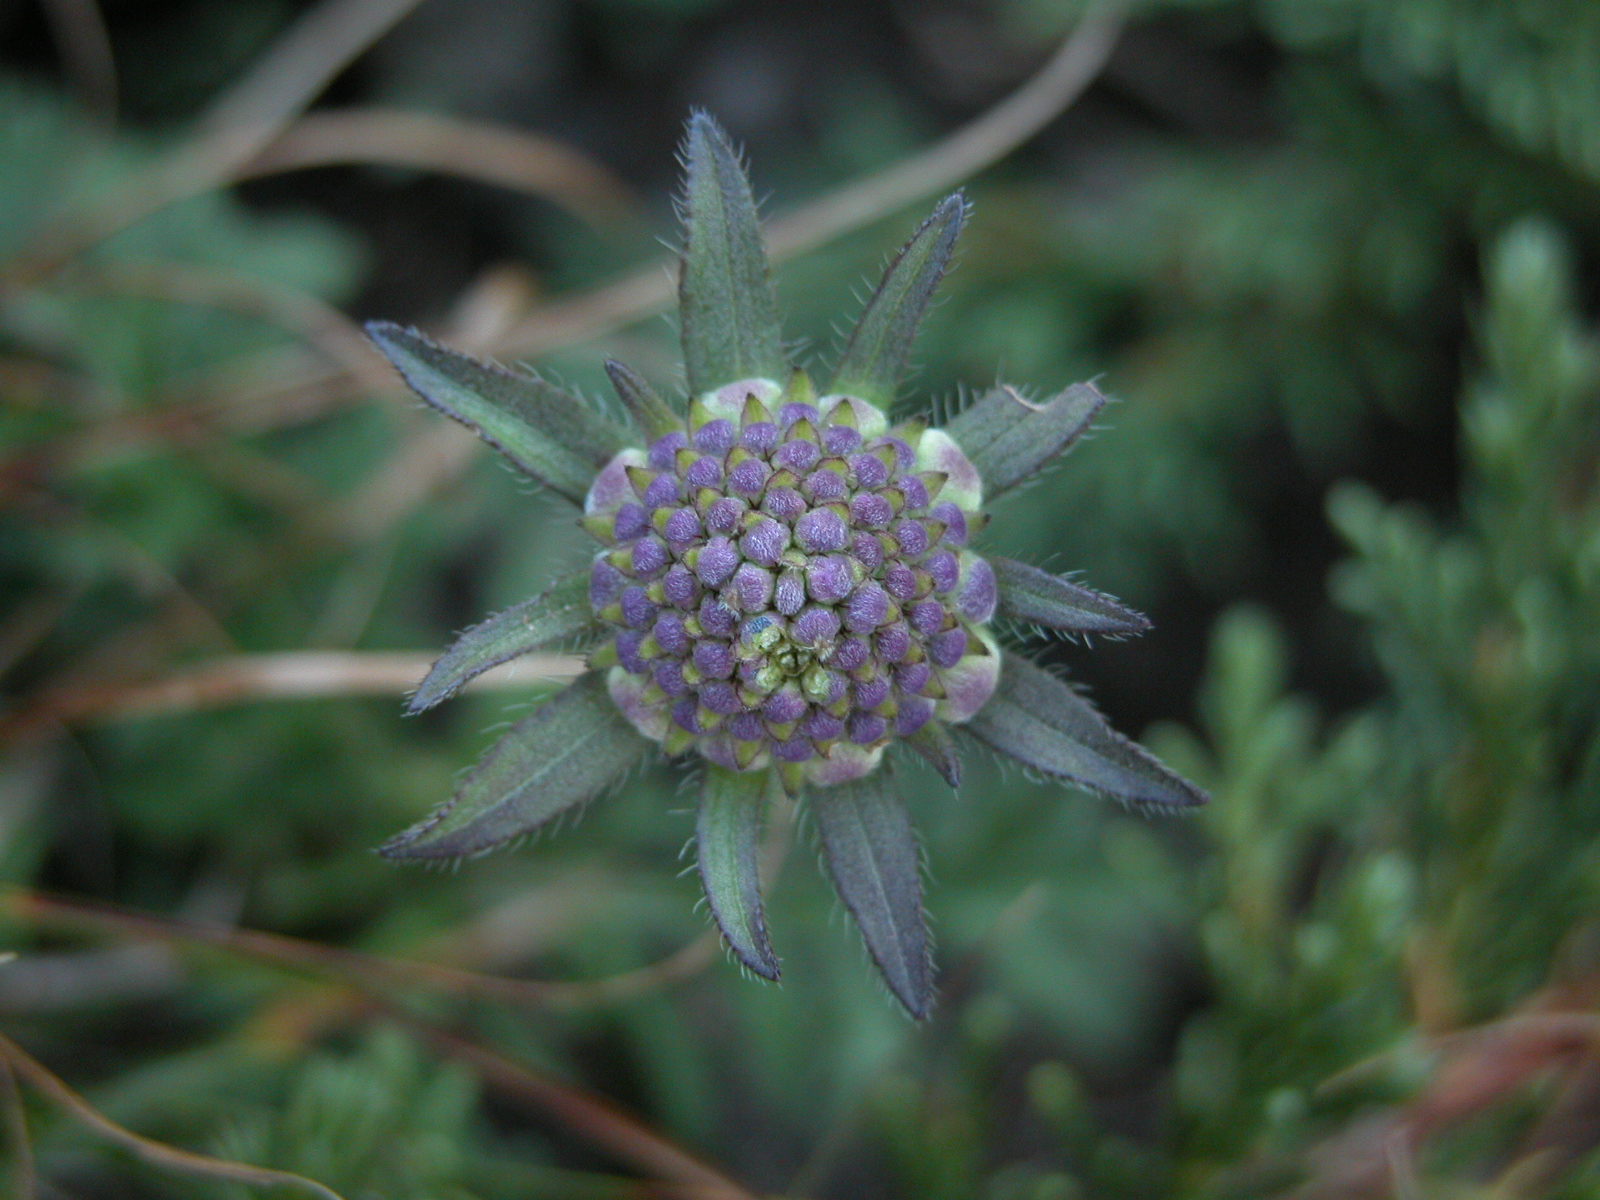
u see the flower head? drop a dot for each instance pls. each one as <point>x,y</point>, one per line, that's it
<point>785,586</point>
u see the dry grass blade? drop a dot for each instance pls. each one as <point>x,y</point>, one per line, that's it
<point>157,1154</point>
<point>79,30</point>
<point>510,158</point>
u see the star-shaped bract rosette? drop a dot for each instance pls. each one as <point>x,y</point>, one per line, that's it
<point>786,587</point>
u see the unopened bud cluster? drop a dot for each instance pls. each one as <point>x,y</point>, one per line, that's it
<point>790,582</point>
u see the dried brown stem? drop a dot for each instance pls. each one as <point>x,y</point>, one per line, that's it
<point>157,1154</point>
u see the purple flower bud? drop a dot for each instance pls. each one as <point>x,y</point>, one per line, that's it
<point>718,750</point>
<point>790,593</point>
<point>759,437</point>
<point>823,726</point>
<point>765,542</point>
<point>682,526</point>
<point>944,569</point>
<point>723,515</point>
<point>914,490</point>
<point>749,477</point>
<point>684,714</point>
<point>978,594</point>
<point>784,503</point>
<point>870,511</point>
<point>632,520</point>
<point>820,531</point>
<point>715,437</point>
<point>927,617</point>
<point>839,440</point>
<point>829,579</point>
<point>679,587</point>
<point>628,651</point>
<point>954,520</point>
<point>893,642</point>
<point>799,750</point>
<point>714,660</point>
<point>945,649</point>
<point>669,676</point>
<point>869,470</point>
<point>868,551</point>
<point>753,586</point>
<point>849,654</point>
<point>664,489</point>
<point>915,712</point>
<point>715,620</point>
<point>873,692</point>
<point>637,610</point>
<point>823,485</point>
<point>605,584</point>
<point>798,455</point>
<point>903,456</point>
<point>912,677</point>
<point>664,450</point>
<point>868,608</point>
<point>865,728</point>
<point>704,472</point>
<point>814,627</point>
<point>650,555</point>
<point>790,413</point>
<point>784,705</point>
<point>720,697</point>
<point>913,538</point>
<point>900,581</point>
<point>717,563</point>
<point>670,634</point>
<point>746,726</point>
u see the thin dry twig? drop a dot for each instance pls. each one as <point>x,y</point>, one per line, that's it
<point>157,1154</point>
<point>510,158</point>
<point>21,1142</point>
<point>79,30</point>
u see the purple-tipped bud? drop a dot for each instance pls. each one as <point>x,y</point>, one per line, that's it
<point>911,536</point>
<point>714,660</point>
<point>679,587</point>
<point>650,556</point>
<point>632,520</point>
<point>823,485</point>
<point>868,551</point>
<point>669,676</point>
<point>822,726</point>
<point>815,626</point>
<point>605,584</point>
<point>868,608</point>
<point>637,611</point>
<point>791,413</point>
<point>760,437</point>
<point>978,592</point>
<point>820,531</point>
<point>704,472</point>
<point>893,642</point>
<point>945,649</point>
<point>870,511</point>
<point>664,450</point>
<point>715,437</point>
<point>684,714</point>
<point>670,634</point>
<point>721,697</point>
<point>753,586</point>
<point>664,489</point>
<point>784,503</point>
<point>797,455</point>
<point>839,440</point>
<point>682,526</point>
<point>945,570</point>
<point>915,712</point>
<point>784,705</point>
<point>717,563</point>
<point>864,728</point>
<point>790,594</point>
<point>715,620</point>
<point>765,542</point>
<point>849,654</point>
<point>724,515</point>
<point>903,455</point>
<point>954,521</point>
<point>914,490</point>
<point>628,651</point>
<point>927,617</point>
<point>746,726</point>
<point>869,471</point>
<point>873,692</point>
<point>900,581</point>
<point>798,750</point>
<point>912,677</point>
<point>829,579</point>
<point>748,478</point>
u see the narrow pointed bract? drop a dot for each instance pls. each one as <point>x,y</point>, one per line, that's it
<point>1044,724</point>
<point>648,410</point>
<point>560,615</point>
<point>871,853</point>
<point>879,349</point>
<point>1009,438</point>
<point>546,432</point>
<point>934,743</point>
<point>561,756</point>
<point>726,305</point>
<point>727,834</point>
<point>1029,594</point>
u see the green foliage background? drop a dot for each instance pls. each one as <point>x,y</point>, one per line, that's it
<point>1336,257</point>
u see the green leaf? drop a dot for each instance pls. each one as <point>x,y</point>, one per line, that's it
<point>1029,594</point>
<point>561,613</point>
<point>727,830</point>
<point>1009,438</point>
<point>872,854</point>
<point>1042,723</point>
<point>727,309</point>
<point>880,346</point>
<point>934,743</point>
<point>562,755</point>
<point>648,410</point>
<point>546,432</point>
